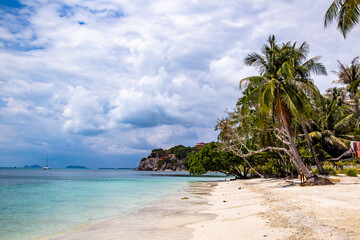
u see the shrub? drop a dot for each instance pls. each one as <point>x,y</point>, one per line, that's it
<point>270,167</point>
<point>351,172</point>
<point>340,171</point>
<point>315,170</point>
<point>329,170</point>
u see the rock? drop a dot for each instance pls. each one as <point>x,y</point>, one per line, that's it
<point>317,181</point>
<point>150,164</point>
<point>153,164</point>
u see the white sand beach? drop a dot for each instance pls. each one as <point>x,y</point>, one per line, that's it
<point>275,209</point>
<point>244,209</point>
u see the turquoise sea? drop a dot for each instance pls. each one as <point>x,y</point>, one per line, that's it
<point>38,203</point>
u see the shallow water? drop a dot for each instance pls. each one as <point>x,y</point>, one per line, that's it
<point>167,219</point>
<point>38,203</point>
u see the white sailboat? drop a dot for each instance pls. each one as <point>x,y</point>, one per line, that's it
<point>47,166</point>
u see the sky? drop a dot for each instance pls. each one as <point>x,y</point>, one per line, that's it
<point>100,83</point>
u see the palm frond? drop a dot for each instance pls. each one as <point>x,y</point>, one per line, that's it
<point>339,142</point>
<point>315,135</point>
<point>343,122</point>
<point>332,13</point>
<point>314,66</point>
<point>348,16</point>
<point>252,81</point>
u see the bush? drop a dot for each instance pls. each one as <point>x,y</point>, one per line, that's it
<point>340,171</point>
<point>351,172</point>
<point>315,171</point>
<point>329,170</point>
<point>270,167</point>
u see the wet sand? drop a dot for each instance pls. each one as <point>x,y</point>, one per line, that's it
<point>244,209</point>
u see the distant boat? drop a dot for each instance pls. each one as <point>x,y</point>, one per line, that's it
<point>47,166</point>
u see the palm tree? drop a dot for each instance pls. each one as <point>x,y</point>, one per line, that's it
<point>346,12</point>
<point>350,76</point>
<point>334,123</point>
<point>282,88</point>
<point>311,147</point>
<point>303,72</point>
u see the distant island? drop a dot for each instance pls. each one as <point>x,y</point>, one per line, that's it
<point>32,166</point>
<point>76,167</point>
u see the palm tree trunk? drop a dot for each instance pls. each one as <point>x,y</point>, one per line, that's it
<point>299,164</point>
<point>312,150</point>
<point>357,111</point>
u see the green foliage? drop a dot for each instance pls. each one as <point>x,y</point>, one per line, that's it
<point>305,152</point>
<point>160,163</point>
<point>345,12</point>
<point>271,167</point>
<point>351,172</point>
<point>356,133</point>
<point>167,159</point>
<point>315,170</point>
<point>342,164</point>
<point>156,152</point>
<point>211,158</point>
<point>329,170</point>
<point>180,151</point>
<point>334,124</point>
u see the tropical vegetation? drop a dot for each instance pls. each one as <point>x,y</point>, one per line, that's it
<point>282,125</point>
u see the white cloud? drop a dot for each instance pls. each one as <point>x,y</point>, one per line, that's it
<point>15,107</point>
<point>83,113</point>
<point>141,74</point>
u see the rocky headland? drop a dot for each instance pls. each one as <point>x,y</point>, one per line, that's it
<point>173,159</point>
<point>155,164</point>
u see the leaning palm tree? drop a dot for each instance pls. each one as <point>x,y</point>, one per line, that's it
<point>303,71</point>
<point>283,86</point>
<point>346,13</point>
<point>350,76</point>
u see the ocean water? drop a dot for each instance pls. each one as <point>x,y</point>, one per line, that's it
<point>37,203</point>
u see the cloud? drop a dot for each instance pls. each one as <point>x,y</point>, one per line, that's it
<point>115,78</point>
<point>83,113</point>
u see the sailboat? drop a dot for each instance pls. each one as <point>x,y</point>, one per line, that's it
<point>47,166</point>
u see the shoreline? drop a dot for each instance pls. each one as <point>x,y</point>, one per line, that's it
<point>165,219</point>
<point>241,209</point>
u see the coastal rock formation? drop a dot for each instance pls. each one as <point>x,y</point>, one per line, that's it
<point>148,164</point>
<point>173,159</point>
<point>157,164</point>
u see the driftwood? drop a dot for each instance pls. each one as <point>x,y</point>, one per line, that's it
<point>342,155</point>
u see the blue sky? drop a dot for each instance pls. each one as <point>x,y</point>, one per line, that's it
<point>102,82</point>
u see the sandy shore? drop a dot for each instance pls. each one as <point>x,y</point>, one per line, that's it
<point>277,209</point>
<point>244,209</point>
